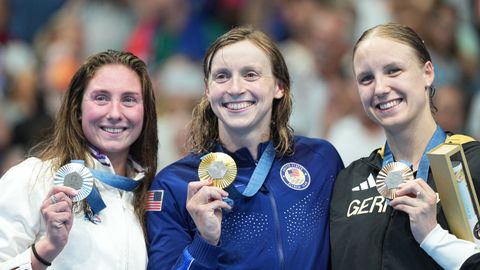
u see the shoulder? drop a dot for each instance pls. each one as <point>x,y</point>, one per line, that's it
<point>181,171</point>
<point>459,139</point>
<point>30,167</point>
<point>470,146</point>
<point>31,178</point>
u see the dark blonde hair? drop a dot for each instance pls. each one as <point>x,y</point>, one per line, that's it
<point>68,142</point>
<point>404,35</point>
<point>204,132</point>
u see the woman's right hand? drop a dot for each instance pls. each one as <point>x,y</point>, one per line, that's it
<point>205,204</point>
<point>57,214</point>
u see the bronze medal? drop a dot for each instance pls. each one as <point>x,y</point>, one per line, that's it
<point>390,178</point>
<point>219,167</point>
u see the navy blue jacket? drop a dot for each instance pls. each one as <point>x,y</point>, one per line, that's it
<point>283,226</point>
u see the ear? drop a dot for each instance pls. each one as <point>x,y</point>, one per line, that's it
<point>428,73</point>
<point>279,91</point>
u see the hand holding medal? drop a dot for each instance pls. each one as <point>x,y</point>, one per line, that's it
<point>57,214</point>
<point>206,198</point>
<point>72,183</point>
<point>413,196</point>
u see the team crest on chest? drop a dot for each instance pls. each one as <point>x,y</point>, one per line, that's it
<point>295,176</point>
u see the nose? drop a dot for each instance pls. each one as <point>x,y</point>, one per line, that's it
<point>115,111</point>
<point>236,85</point>
<point>381,86</point>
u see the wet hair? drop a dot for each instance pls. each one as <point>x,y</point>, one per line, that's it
<point>406,36</point>
<point>68,142</point>
<point>204,132</point>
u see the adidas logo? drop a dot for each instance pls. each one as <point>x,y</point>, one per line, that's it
<point>369,183</point>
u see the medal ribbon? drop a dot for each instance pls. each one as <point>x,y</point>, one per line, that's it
<point>422,172</point>
<point>261,171</point>
<point>259,174</point>
<point>117,181</point>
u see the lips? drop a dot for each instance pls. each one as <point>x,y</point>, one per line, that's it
<point>388,105</point>
<point>113,130</point>
<point>236,106</point>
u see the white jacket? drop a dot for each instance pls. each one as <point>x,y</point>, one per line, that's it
<point>117,242</point>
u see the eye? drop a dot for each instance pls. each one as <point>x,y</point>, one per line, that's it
<point>101,99</point>
<point>365,79</point>
<point>251,76</point>
<point>393,71</point>
<point>130,101</point>
<point>221,77</point>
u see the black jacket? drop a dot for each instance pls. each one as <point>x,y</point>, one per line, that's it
<point>366,233</point>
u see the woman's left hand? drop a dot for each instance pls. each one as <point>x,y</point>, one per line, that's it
<point>419,201</point>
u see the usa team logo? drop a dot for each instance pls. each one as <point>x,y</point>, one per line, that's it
<point>295,176</point>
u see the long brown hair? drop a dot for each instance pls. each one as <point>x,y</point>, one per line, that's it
<point>68,142</point>
<point>204,132</point>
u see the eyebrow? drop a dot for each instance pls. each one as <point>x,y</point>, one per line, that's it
<point>128,92</point>
<point>218,70</point>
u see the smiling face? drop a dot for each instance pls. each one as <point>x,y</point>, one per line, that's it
<point>112,110</point>
<point>392,83</point>
<point>241,89</point>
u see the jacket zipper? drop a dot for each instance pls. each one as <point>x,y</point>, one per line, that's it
<point>278,238</point>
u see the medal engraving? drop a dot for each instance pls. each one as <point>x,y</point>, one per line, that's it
<point>217,170</point>
<point>391,177</point>
<point>73,180</point>
<point>394,179</point>
<point>219,167</point>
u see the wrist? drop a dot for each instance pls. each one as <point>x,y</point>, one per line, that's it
<point>39,258</point>
<point>45,251</point>
<point>211,240</point>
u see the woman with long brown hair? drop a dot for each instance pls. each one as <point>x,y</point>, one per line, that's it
<point>79,202</point>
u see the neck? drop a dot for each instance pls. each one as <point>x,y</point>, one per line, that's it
<point>119,164</point>
<point>410,143</point>
<point>250,140</point>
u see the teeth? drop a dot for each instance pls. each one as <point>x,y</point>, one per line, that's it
<point>238,105</point>
<point>388,105</point>
<point>113,130</point>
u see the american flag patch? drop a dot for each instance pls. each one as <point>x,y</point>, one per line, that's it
<point>154,200</point>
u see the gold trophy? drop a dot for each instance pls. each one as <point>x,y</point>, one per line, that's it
<point>457,193</point>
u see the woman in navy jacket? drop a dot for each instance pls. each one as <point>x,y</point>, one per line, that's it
<point>244,113</point>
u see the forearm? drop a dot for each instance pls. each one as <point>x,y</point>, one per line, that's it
<point>446,249</point>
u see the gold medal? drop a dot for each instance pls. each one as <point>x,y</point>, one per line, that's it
<point>219,167</point>
<point>390,178</point>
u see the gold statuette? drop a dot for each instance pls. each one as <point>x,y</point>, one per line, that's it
<point>219,167</point>
<point>390,178</point>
